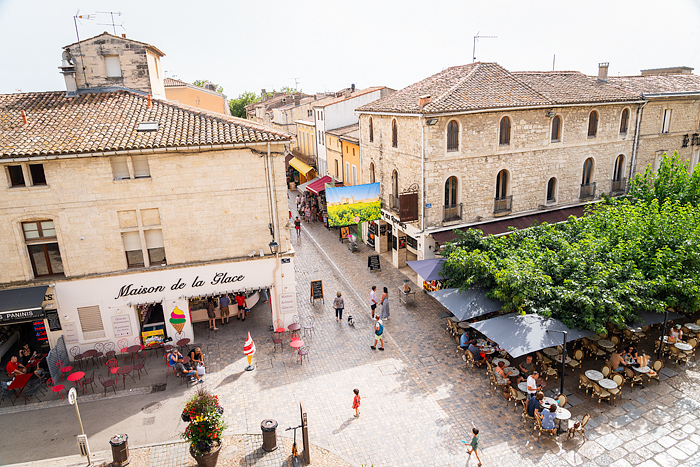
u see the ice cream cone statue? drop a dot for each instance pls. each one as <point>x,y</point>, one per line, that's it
<point>249,351</point>
<point>177,319</point>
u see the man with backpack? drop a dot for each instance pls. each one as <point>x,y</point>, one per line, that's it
<point>378,334</point>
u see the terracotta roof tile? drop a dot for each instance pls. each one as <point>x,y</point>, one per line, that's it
<point>573,87</point>
<point>107,121</point>
<point>168,82</point>
<point>658,84</point>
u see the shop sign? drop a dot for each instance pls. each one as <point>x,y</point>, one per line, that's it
<point>402,243</point>
<point>288,305</point>
<point>70,333</point>
<point>121,325</point>
<point>23,315</point>
<point>218,278</point>
<point>52,318</point>
<point>408,207</point>
<point>394,220</point>
<point>695,141</point>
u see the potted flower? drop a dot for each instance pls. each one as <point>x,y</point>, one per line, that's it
<point>205,427</point>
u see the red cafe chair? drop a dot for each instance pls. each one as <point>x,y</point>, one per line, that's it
<point>55,388</point>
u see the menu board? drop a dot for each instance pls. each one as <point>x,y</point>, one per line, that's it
<point>287,303</point>
<point>373,262</point>
<point>70,333</point>
<point>121,325</point>
<point>52,318</point>
<point>317,291</point>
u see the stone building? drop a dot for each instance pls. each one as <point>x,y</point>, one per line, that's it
<point>476,144</point>
<point>343,154</point>
<point>207,97</point>
<point>134,210</point>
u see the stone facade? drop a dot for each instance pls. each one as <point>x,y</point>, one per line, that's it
<point>110,61</point>
<point>210,206</point>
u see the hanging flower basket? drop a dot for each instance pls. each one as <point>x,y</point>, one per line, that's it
<point>205,426</point>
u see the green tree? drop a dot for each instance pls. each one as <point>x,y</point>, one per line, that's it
<point>671,181</point>
<point>202,82</point>
<point>238,105</point>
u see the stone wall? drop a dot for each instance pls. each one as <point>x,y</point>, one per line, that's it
<point>211,206</point>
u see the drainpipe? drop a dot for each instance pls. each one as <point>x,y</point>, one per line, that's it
<point>422,173</point>
<point>635,146</point>
<point>274,233</point>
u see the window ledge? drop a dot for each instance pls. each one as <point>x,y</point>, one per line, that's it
<point>117,180</point>
<point>28,188</point>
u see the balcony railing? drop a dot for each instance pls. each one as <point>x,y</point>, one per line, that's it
<point>618,186</point>
<point>452,212</point>
<point>394,203</point>
<point>588,190</point>
<point>504,204</point>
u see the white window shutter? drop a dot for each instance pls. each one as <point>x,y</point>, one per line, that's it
<point>154,238</point>
<point>114,70</point>
<point>120,169</point>
<point>132,241</point>
<point>141,168</point>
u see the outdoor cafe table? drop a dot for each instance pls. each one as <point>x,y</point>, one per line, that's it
<point>133,350</point>
<point>513,371</point>
<point>76,377</point>
<point>454,319</point>
<point>683,346</point>
<point>296,345</point>
<point>594,375</point>
<point>547,401</point>
<point>487,350</point>
<point>505,362</point>
<point>294,327</point>
<point>19,383</point>
<point>124,370</point>
<point>551,351</point>
<point>693,327</point>
<point>641,369</point>
<point>606,344</point>
<point>594,338</point>
<point>558,358</point>
<point>607,384</point>
<point>523,385</point>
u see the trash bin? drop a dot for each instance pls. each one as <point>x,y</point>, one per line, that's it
<point>120,450</point>
<point>269,433</point>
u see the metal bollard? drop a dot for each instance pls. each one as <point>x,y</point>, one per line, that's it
<point>120,450</point>
<point>269,433</point>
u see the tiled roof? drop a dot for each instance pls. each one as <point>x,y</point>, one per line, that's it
<point>350,132</point>
<point>107,121</point>
<point>168,82</point>
<point>481,86</point>
<point>357,93</point>
<point>155,49</point>
<point>572,87</point>
<point>657,84</point>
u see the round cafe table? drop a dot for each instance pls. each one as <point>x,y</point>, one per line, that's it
<point>607,383</point>
<point>66,369</point>
<point>683,346</point>
<point>693,327</point>
<point>76,377</point>
<point>522,386</point>
<point>547,401</point>
<point>606,344</point>
<point>641,369</point>
<point>505,362</point>
<point>124,370</point>
<point>294,327</point>
<point>558,358</point>
<point>563,414</point>
<point>513,371</point>
<point>454,319</point>
<point>551,351</point>
<point>296,345</point>
<point>133,350</point>
<point>594,375</point>
<point>594,338</point>
<point>486,350</point>
<point>184,343</point>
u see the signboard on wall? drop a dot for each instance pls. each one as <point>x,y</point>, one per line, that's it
<point>348,205</point>
<point>408,207</point>
<point>70,333</point>
<point>121,325</point>
<point>52,318</point>
<point>288,305</point>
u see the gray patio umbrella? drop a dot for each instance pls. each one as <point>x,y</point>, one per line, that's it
<point>428,269</point>
<point>469,304</point>
<point>523,334</point>
<point>648,318</point>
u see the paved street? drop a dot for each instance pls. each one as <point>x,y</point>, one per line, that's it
<point>418,401</point>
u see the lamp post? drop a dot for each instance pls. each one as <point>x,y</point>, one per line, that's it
<point>661,339</point>
<point>563,361</point>
<point>274,247</point>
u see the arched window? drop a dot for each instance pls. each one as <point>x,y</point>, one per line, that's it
<point>451,211</point>
<point>593,124</point>
<point>624,121</point>
<point>394,135</point>
<point>395,189</point>
<point>371,172</point>
<point>552,191</point>
<point>452,136</point>
<point>618,183</point>
<point>556,128</point>
<point>42,245</point>
<point>504,135</point>
<point>502,202</point>
<point>371,130</point>
<point>587,171</point>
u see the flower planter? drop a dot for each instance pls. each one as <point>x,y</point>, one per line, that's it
<point>209,459</point>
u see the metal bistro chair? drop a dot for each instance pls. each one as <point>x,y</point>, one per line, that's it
<point>55,388</point>
<point>276,340</point>
<point>89,380</point>
<point>303,353</point>
<point>112,367</point>
<point>578,427</point>
<point>279,328</point>
<point>309,326</point>
<point>106,383</point>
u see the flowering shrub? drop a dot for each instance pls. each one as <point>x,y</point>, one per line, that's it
<point>206,423</point>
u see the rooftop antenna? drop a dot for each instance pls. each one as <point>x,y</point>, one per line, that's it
<point>114,26</point>
<point>554,59</point>
<point>476,38</point>
<point>296,83</point>
<point>76,19</point>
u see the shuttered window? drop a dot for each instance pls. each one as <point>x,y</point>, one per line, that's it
<point>141,168</point>
<point>91,322</point>
<point>154,244</point>
<point>132,247</point>
<point>120,168</point>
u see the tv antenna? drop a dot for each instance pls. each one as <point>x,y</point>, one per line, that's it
<point>113,24</point>
<point>76,19</point>
<point>296,83</point>
<point>476,38</point>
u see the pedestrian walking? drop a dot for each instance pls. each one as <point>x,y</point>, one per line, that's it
<point>338,304</point>
<point>266,297</point>
<point>224,303</point>
<point>211,314</point>
<point>378,334</point>
<point>373,300</point>
<point>298,202</point>
<point>384,302</point>
<point>297,226</point>
<point>474,444</point>
<point>307,213</point>
<point>240,302</point>
<point>356,402</point>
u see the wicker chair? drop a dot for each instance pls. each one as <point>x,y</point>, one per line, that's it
<point>606,370</point>
<point>516,396</point>
<point>576,359</point>
<point>526,418</point>
<point>597,352</point>
<point>601,393</point>
<point>677,355</point>
<point>538,427</point>
<point>619,380</point>
<point>655,371</point>
<point>578,427</point>
<point>693,342</point>
<point>562,400</point>
<point>633,379</point>
<point>585,383</point>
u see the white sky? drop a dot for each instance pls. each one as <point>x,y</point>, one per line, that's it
<point>329,44</point>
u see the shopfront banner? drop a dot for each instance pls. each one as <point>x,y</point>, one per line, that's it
<point>353,204</point>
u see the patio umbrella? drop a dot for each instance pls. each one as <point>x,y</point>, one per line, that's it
<point>469,304</point>
<point>648,318</point>
<point>428,269</point>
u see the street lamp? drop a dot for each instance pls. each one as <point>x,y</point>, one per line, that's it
<point>563,360</point>
<point>274,247</point>
<point>661,339</point>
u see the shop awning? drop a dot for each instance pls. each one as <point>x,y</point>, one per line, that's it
<point>300,166</point>
<point>469,304</point>
<point>524,334</point>
<point>520,222</point>
<point>302,188</point>
<point>18,305</point>
<point>428,269</point>
<point>319,185</point>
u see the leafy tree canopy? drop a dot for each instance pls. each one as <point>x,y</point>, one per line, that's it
<point>238,104</point>
<point>624,256</point>
<point>202,82</point>
<point>672,180</point>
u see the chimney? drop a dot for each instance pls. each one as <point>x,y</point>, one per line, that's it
<point>68,71</point>
<point>347,93</point>
<point>352,87</point>
<point>124,35</point>
<point>424,100</point>
<point>24,117</point>
<point>262,93</point>
<point>603,72</point>
<point>149,101</point>
<point>297,99</point>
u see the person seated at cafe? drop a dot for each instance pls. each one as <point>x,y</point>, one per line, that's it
<point>174,356</point>
<point>464,344</point>
<point>196,357</point>
<point>181,371</point>
<point>534,405</point>
<point>676,332</point>
<point>25,354</point>
<point>632,356</point>
<point>476,352</point>
<point>14,367</point>
<point>501,376</point>
<point>526,368</point>
<point>548,417</point>
<point>617,361</point>
<point>532,386</point>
